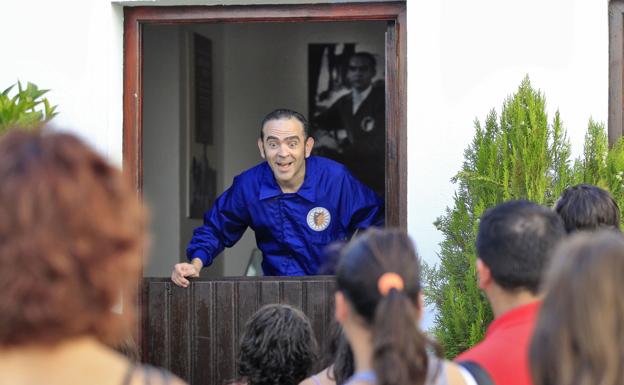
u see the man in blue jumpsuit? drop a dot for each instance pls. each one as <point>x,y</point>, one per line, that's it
<point>296,203</point>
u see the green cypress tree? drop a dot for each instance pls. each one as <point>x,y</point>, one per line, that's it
<point>615,175</point>
<point>517,156</point>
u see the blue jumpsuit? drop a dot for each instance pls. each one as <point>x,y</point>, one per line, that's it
<point>292,229</point>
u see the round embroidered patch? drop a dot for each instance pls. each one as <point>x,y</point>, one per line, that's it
<point>318,218</point>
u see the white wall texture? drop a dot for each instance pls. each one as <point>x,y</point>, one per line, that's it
<point>74,48</point>
<point>464,58</point>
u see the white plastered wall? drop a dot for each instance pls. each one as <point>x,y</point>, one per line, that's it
<point>74,48</point>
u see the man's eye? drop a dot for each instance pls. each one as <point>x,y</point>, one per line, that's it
<point>292,144</point>
<point>272,145</point>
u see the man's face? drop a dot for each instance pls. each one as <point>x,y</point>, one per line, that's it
<point>285,148</point>
<point>360,73</point>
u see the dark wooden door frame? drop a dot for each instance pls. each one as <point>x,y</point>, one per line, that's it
<point>616,70</point>
<point>396,75</point>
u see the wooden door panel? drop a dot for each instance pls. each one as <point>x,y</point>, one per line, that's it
<point>195,332</point>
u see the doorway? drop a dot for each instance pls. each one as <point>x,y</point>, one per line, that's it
<point>150,29</point>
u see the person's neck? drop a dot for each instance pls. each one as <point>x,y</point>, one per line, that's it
<point>294,185</point>
<point>361,343</point>
<point>503,300</point>
<point>361,91</point>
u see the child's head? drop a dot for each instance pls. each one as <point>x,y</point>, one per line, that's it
<point>277,347</point>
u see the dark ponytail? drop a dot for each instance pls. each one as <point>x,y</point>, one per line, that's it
<point>400,349</point>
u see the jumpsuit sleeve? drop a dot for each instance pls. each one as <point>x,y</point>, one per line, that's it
<point>364,207</point>
<point>224,224</point>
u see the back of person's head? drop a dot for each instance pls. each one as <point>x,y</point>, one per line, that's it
<point>515,241</point>
<point>285,113</point>
<point>379,275</point>
<point>588,207</point>
<point>277,347</point>
<point>579,336</point>
<point>71,230</point>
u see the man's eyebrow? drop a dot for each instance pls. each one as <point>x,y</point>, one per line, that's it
<point>288,138</point>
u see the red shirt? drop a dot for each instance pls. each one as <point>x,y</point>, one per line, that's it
<point>504,352</point>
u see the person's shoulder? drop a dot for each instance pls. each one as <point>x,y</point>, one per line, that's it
<point>308,381</point>
<point>321,378</point>
<point>453,374</point>
<point>252,175</point>
<point>155,375</point>
<point>326,165</point>
<point>476,353</point>
<point>379,85</point>
<point>255,170</point>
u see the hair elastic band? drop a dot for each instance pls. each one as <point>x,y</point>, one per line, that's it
<point>389,281</point>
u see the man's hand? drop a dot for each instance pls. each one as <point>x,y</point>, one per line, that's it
<point>182,270</point>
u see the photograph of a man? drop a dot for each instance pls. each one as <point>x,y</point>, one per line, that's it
<point>352,130</point>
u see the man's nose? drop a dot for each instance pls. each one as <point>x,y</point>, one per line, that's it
<point>282,150</point>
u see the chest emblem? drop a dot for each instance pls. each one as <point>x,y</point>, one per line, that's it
<point>318,218</point>
<point>367,124</point>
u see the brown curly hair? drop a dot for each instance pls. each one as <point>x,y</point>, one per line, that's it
<point>277,348</point>
<point>71,232</point>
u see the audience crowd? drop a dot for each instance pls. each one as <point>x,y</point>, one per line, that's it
<point>71,231</point>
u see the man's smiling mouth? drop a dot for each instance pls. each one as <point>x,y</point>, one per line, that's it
<point>282,166</point>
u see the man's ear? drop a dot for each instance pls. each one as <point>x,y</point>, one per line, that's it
<point>484,275</point>
<point>341,307</point>
<point>309,144</point>
<point>261,148</point>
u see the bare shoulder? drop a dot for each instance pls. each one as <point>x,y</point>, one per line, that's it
<point>322,377</point>
<point>307,381</point>
<point>155,376</point>
<point>360,382</point>
<point>453,374</point>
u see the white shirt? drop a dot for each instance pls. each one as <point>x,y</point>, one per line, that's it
<point>358,97</point>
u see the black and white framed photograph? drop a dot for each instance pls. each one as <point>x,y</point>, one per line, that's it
<point>346,106</point>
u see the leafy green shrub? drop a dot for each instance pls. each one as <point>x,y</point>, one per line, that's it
<point>519,155</point>
<point>26,109</point>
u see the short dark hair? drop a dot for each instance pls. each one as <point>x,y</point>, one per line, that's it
<point>587,207</point>
<point>277,347</point>
<point>515,240</point>
<point>285,113</point>
<point>367,56</point>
